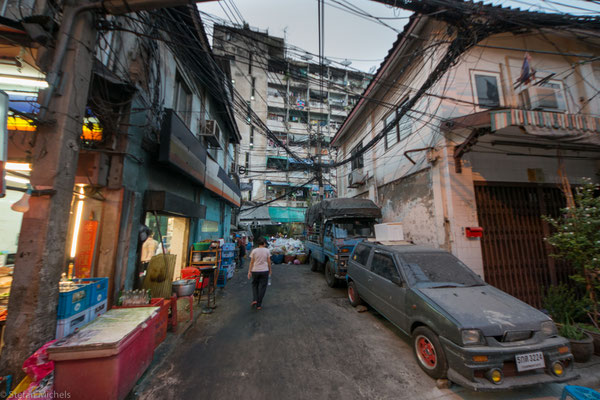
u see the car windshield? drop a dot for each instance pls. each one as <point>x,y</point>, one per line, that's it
<point>347,228</point>
<point>440,270</point>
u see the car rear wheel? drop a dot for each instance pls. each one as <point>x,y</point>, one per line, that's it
<point>429,353</point>
<point>330,275</point>
<point>314,264</point>
<point>353,296</point>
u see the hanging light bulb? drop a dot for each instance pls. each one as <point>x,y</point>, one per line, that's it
<point>23,204</point>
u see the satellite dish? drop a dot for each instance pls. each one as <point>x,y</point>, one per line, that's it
<point>326,61</point>
<point>346,62</point>
<point>306,57</point>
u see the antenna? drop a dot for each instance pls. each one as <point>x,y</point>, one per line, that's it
<point>346,62</point>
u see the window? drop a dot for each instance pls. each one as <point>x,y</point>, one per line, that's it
<point>487,89</point>
<point>251,135</point>
<point>183,100</point>
<point>253,91</point>
<point>405,123</point>
<point>357,162</point>
<point>361,254</point>
<point>250,63</point>
<point>247,162</point>
<point>249,116</point>
<point>391,137</point>
<point>384,266</point>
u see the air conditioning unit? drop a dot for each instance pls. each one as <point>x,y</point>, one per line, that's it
<point>539,98</point>
<point>210,131</point>
<point>356,178</point>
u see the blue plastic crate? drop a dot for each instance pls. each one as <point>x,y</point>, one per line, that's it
<point>74,301</point>
<point>227,254</point>
<point>99,289</point>
<point>222,278</point>
<point>228,247</point>
<point>225,263</point>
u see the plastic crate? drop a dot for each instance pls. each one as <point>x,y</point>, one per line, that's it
<point>230,271</point>
<point>228,247</point>
<point>222,278</point>
<point>227,254</point>
<point>74,301</point>
<point>99,289</point>
<point>226,263</point>
<point>67,326</point>
<point>97,310</point>
<point>194,273</point>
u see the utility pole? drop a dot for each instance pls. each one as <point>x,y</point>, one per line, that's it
<point>40,260</point>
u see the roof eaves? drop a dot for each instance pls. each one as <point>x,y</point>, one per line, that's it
<point>398,44</point>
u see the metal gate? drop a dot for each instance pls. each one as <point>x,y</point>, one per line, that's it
<point>515,257</point>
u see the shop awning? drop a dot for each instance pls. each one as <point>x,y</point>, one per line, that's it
<point>169,203</point>
<point>287,214</point>
<point>277,183</point>
<point>327,188</point>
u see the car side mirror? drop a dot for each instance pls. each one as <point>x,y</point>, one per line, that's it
<point>397,280</point>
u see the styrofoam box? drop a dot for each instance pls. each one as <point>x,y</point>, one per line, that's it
<point>66,326</point>
<point>97,310</point>
<point>390,231</point>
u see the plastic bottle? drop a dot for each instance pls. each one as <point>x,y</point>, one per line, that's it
<point>269,280</point>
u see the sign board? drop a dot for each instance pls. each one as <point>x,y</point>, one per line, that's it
<point>3,141</point>
<point>86,244</point>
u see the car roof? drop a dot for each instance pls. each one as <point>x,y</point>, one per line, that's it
<point>406,248</point>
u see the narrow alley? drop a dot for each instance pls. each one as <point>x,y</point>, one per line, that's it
<point>306,343</point>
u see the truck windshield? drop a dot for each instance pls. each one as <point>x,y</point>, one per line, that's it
<point>353,228</point>
<point>441,270</point>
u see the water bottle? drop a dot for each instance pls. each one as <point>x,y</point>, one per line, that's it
<point>269,280</point>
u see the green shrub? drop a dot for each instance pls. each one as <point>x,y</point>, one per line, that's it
<point>571,332</point>
<point>563,304</point>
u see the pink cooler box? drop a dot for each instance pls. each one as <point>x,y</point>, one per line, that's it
<point>104,359</point>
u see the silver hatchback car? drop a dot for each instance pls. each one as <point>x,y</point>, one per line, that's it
<point>461,328</point>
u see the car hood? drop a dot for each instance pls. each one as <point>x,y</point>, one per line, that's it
<point>486,308</point>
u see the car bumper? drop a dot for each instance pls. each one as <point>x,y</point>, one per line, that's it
<point>468,373</point>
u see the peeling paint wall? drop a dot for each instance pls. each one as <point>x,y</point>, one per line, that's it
<point>410,200</point>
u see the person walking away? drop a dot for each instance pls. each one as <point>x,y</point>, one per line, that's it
<point>259,271</point>
<point>241,251</point>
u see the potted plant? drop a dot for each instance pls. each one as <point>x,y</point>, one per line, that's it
<point>582,344</point>
<point>576,239</point>
<point>565,307</point>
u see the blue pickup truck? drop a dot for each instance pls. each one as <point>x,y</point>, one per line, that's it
<point>333,228</point>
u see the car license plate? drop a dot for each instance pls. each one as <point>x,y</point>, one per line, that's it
<point>528,361</point>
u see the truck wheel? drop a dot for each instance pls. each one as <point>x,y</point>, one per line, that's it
<point>353,296</point>
<point>429,353</point>
<point>314,264</point>
<point>330,275</point>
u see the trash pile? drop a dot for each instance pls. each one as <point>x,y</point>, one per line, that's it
<point>288,247</point>
<point>289,251</point>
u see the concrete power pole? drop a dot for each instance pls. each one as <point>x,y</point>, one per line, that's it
<point>40,258</point>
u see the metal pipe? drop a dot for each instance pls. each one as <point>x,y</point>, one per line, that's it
<point>414,150</point>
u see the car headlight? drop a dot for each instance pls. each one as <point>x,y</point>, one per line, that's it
<point>472,336</point>
<point>549,328</point>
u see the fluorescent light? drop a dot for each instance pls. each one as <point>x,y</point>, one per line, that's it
<point>21,92</point>
<point>77,223</point>
<point>12,166</point>
<point>30,82</point>
<point>16,179</point>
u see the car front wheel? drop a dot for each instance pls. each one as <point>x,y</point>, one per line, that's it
<point>429,353</point>
<point>353,296</point>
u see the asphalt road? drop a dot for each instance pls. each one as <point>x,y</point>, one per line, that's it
<point>306,343</point>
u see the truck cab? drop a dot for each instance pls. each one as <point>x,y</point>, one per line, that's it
<point>334,227</point>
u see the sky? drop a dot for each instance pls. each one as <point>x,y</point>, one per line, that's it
<point>360,39</point>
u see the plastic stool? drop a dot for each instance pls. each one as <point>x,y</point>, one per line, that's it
<point>571,392</point>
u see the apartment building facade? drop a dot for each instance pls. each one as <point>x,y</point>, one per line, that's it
<point>301,102</point>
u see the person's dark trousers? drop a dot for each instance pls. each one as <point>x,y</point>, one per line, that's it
<point>260,280</point>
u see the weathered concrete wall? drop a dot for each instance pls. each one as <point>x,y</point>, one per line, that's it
<point>410,200</point>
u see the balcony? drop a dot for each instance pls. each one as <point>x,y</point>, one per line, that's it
<point>275,125</point>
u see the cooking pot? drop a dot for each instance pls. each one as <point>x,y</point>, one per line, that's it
<point>184,287</point>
